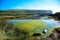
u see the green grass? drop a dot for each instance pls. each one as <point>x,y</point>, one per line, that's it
<point>2,35</point>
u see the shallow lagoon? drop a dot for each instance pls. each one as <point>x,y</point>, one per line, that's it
<point>50,22</point>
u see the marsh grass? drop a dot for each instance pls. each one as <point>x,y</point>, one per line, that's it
<point>10,32</point>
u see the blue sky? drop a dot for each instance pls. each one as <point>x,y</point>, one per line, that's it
<point>53,5</point>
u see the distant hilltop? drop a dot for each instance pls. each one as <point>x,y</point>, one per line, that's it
<point>17,12</point>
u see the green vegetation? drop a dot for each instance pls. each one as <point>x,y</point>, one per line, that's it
<point>10,32</point>
<point>21,30</point>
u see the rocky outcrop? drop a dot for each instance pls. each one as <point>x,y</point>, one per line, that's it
<point>54,36</point>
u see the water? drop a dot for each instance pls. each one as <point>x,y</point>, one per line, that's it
<point>16,20</point>
<point>49,22</point>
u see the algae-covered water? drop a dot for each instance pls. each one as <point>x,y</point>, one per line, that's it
<point>36,26</point>
<point>28,29</point>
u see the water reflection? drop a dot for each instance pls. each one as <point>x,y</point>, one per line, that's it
<point>45,19</point>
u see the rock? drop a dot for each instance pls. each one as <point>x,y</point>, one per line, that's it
<point>54,36</point>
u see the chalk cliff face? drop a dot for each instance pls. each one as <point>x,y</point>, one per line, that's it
<point>26,11</point>
<point>39,11</point>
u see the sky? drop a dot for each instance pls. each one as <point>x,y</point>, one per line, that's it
<point>53,5</point>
